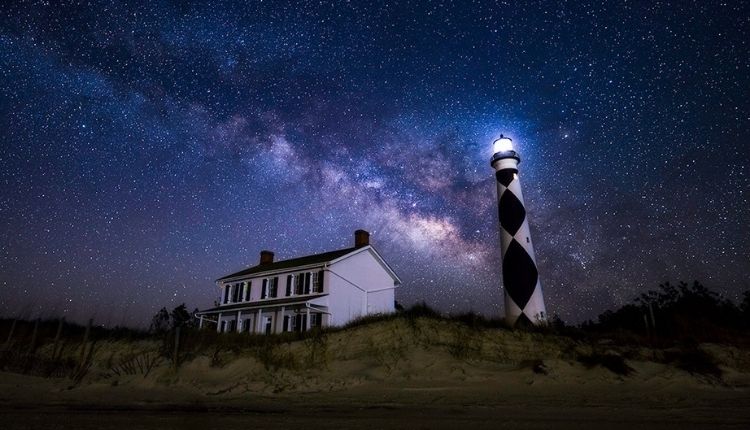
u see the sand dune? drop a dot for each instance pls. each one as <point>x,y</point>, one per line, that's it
<point>433,373</point>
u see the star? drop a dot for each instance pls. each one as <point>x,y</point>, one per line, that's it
<point>150,148</point>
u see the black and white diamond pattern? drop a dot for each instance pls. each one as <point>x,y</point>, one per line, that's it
<point>519,274</point>
<point>512,213</point>
<point>523,291</point>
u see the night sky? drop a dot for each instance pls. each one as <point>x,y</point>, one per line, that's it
<point>150,148</point>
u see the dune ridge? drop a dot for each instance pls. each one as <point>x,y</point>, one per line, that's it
<point>413,363</point>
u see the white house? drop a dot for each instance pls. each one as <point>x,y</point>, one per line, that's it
<point>328,289</point>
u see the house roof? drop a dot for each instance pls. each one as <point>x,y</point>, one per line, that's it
<point>294,262</point>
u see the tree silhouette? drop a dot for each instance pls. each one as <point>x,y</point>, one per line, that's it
<point>160,321</point>
<point>180,316</point>
<point>678,311</point>
<point>165,320</point>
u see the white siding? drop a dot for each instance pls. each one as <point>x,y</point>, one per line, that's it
<point>380,302</point>
<point>358,286</point>
<point>355,286</point>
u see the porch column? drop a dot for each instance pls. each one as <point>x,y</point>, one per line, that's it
<point>258,329</point>
<point>218,323</point>
<point>239,321</point>
<point>200,323</point>
<point>307,319</point>
<point>280,320</point>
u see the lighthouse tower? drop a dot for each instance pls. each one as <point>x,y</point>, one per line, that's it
<point>524,304</point>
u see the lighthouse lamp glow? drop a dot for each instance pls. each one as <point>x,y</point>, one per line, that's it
<point>503,144</point>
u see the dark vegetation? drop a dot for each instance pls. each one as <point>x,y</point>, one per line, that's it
<point>681,313</point>
<point>55,348</point>
<point>612,362</point>
<point>672,320</point>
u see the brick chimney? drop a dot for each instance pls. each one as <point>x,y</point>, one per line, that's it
<point>361,238</point>
<point>266,257</point>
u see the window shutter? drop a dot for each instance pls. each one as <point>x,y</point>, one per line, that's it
<point>247,290</point>
<point>275,288</point>
<point>308,275</point>
<point>288,285</point>
<point>264,289</point>
<point>320,281</point>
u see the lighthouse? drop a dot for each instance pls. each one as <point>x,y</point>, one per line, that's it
<point>524,303</point>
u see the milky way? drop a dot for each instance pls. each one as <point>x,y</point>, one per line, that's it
<point>148,148</point>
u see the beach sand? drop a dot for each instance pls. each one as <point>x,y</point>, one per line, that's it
<point>392,374</point>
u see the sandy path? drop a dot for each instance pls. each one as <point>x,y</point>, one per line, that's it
<point>35,403</point>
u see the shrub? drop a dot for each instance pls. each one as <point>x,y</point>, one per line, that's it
<point>693,360</point>
<point>273,357</point>
<point>612,362</point>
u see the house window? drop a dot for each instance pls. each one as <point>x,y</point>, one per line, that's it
<point>287,325</point>
<point>270,288</point>
<point>223,327</point>
<point>235,293</point>
<point>268,325</point>
<point>232,325</point>
<point>246,325</point>
<point>289,280</point>
<point>317,282</point>
<point>316,320</point>
<point>247,291</point>
<point>305,283</point>
<point>298,322</point>
<point>226,293</point>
